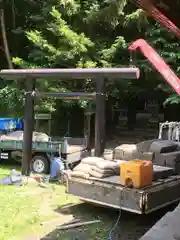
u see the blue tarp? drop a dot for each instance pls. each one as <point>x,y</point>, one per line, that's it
<point>8,124</point>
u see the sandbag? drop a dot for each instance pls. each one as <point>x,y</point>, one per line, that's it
<point>118,162</point>
<point>79,174</point>
<point>91,160</point>
<point>124,151</point>
<point>105,164</point>
<point>163,146</point>
<point>108,156</point>
<point>99,175</point>
<point>82,167</point>
<point>104,171</point>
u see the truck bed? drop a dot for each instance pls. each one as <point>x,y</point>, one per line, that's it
<point>109,192</point>
<point>50,146</point>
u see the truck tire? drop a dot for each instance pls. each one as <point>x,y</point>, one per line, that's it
<point>40,164</point>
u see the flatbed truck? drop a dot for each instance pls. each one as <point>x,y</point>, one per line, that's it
<point>109,192</point>
<point>42,153</point>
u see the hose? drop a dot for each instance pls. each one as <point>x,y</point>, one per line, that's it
<point>110,235</point>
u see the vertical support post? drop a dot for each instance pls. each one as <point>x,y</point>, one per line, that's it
<point>28,127</point>
<point>100,118</point>
<point>36,125</point>
<point>87,130</point>
<point>87,126</point>
<point>49,127</point>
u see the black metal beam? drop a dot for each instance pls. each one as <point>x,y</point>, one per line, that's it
<point>67,95</point>
<point>74,73</point>
<point>28,128</point>
<point>100,118</point>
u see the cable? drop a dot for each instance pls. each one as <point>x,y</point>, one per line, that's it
<point>110,237</point>
<point>115,226</point>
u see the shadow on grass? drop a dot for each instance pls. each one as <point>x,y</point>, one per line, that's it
<point>7,165</point>
<point>130,226</point>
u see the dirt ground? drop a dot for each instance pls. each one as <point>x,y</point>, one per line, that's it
<point>130,226</point>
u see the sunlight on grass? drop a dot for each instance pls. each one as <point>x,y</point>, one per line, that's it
<point>17,212</point>
<point>20,206</point>
<point>24,208</point>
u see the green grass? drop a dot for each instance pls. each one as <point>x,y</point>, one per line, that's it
<point>24,208</point>
<point>18,211</point>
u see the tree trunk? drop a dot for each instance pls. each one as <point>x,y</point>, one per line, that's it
<point>15,48</point>
<point>4,38</point>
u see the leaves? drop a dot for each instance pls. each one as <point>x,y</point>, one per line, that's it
<point>173,99</point>
<point>11,98</point>
<point>87,34</point>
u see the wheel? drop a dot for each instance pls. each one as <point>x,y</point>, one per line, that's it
<point>40,164</point>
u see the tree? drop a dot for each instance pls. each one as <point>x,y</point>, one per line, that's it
<point>61,43</point>
<point>86,34</point>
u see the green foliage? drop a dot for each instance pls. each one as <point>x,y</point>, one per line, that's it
<point>173,99</point>
<point>168,48</point>
<point>61,44</point>
<point>11,98</point>
<point>94,33</point>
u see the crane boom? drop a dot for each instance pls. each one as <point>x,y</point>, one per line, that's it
<point>159,64</point>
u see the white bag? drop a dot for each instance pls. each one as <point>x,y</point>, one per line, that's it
<point>124,152</point>
<point>82,167</point>
<point>91,160</point>
<point>105,164</point>
<point>79,174</point>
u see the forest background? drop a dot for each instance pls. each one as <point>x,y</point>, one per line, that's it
<point>76,33</point>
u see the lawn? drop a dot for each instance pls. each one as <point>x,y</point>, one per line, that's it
<point>31,211</point>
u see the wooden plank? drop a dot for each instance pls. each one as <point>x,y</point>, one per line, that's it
<point>75,225</point>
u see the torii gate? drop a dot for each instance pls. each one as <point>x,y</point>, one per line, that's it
<point>99,74</point>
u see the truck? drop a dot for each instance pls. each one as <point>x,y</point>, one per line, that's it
<point>109,192</point>
<point>43,147</point>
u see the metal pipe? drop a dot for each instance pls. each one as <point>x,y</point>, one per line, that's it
<point>71,73</point>
<point>66,95</point>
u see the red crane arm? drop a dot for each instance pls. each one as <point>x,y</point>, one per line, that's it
<point>149,7</point>
<point>157,62</point>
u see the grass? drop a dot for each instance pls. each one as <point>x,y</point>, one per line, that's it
<point>24,208</point>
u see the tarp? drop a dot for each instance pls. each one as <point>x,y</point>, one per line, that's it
<point>8,124</point>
